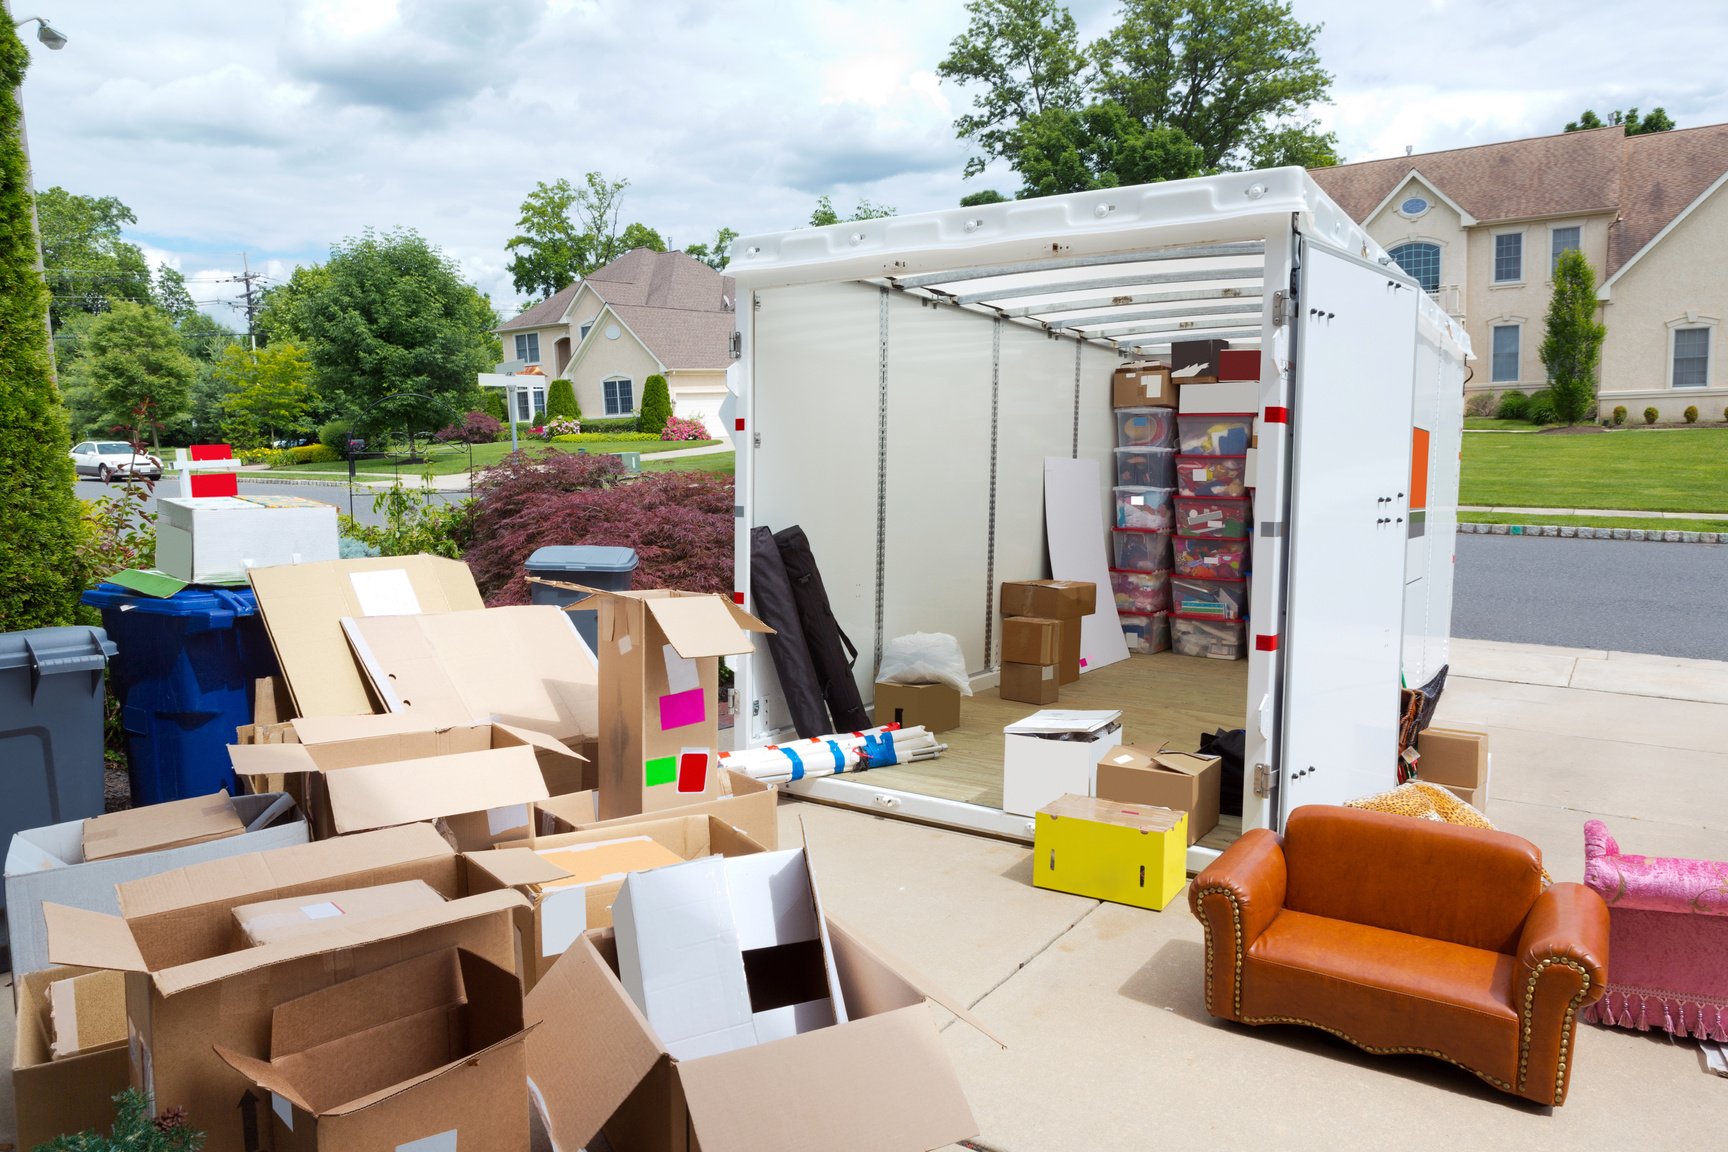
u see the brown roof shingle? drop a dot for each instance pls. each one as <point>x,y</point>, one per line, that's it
<point>1664,172</point>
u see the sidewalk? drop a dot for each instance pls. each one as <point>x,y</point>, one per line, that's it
<point>1594,512</point>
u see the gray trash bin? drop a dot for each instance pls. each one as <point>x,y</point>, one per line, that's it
<point>591,565</point>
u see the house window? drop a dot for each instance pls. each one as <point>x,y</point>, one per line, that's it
<point>1508,257</point>
<point>1413,207</point>
<point>1505,353</point>
<point>1691,357</point>
<point>583,334</point>
<point>1421,262</point>
<point>528,348</point>
<point>530,403</point>
<point>619,401</point>
<point>1564,241</point>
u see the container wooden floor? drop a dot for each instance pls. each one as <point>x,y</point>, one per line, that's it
<point>1163,697</point>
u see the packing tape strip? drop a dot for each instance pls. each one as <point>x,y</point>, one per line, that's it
<point>797,764</point>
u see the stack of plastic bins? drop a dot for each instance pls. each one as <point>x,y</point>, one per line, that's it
<point>1213,511</point>
<point>1140,536</point>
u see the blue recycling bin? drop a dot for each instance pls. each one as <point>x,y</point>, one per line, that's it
<point>185,678</point>
<point>591,565</point>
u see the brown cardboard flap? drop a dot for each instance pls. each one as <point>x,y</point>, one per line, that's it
<point>156,826</point>
<point>590,1046</point>
<point>516,866</point>
<point>91,939</point>
<point>849,948</point>
<point>898,1090</point>
<point>701,626</point>
<point>402,791</point>
<point>270,759</point>
<point>264,1074</point>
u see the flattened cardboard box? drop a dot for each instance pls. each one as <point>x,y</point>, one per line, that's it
<point>185,991</point>
<point>46,865</point>
<point>55,1097</point>
<point>1185,781</point>
<point>746,804</point>
<point>86,1013</point>
<point>935,706</point>
<point>303,606</point>
<point>270,921</point>
<point>174,824</point>
<point>422,1054</point>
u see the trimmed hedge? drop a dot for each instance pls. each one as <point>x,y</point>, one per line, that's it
<point>561,401</point>
<point>315,454</point>
<point>656,405</point>
<point>604,437</point>
<point>616,424</point>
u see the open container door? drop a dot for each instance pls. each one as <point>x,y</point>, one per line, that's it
<point>1350,496</point>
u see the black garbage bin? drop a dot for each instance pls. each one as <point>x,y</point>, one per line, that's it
<point>591,565</point>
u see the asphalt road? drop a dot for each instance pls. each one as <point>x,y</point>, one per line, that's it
<point>1622,595</point>
<point>324,493</point>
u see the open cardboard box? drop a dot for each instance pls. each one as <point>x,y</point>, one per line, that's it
<point>187,990</point>
<point>1185,781</point>
<point>55,1097</point>
<point>174,824</point>
<point>745,803</point>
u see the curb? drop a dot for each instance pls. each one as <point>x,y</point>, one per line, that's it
<point>1569,532</point>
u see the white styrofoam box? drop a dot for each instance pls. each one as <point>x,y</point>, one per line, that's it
<point>1232,396</point>
<point>1036,771</point>
<point>214,538</point>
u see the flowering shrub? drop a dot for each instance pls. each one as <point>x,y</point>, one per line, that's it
<point>555,428</point>
<point>678,428</point>
<point>473,428</point>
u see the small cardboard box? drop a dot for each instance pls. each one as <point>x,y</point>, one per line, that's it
<point>186,991</point>
<point>1142,386</point>
<point>422,1055</point>
<point>47,865</point>
<point>1230,398</point>
<point>1068,659</point>
<point>1186,354</point>
<point>210,539</point>
<point>269,921</point>
<point>1457,760</point>
<point>1239,364</point>
<point>1185,781</point>
<point>174,824</point>
<point>1052,599</point>
<point>1052,753</point>
<point>1127,854</point>
<point>1031,640</point>
<point>56,1097</point>
<point>935,706</point>
<point>746,804</point>
<point>86,1013</point>
<point>1029,683</point>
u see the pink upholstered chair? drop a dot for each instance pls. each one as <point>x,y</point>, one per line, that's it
<point>1667,940</point>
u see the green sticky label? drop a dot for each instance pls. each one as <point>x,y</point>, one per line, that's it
<point>660,770</point>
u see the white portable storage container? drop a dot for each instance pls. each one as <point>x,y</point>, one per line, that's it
<point>900,381</point>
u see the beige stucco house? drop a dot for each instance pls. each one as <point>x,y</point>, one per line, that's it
<point>1482,227</point>
<point>644,313</point>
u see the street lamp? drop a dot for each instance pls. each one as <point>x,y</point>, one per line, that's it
<point>45,32</point>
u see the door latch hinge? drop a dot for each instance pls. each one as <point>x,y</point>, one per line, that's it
<point>737,346</point>
<point>1263,777</point>
<point>1280,307</point>
<point>756,440</point>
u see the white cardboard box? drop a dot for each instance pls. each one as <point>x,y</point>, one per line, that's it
<point>1038,769</point>
<point>210,538</point>
<point>1226,396</point>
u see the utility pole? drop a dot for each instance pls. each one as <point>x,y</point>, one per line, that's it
<point>251,302</point>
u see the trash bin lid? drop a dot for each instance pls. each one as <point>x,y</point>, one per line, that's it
<point>239,601</point>
<point>582,558</point>
<point>37,647</point>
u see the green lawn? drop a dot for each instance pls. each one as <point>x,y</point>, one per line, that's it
<point>713,462</point>
<point>1648,524</point>
<point>1490,424</point>
<point>446,459</point>
<point>1684,470</point>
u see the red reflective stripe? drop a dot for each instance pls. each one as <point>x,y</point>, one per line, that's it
<point>737,597</point>
<point>1277,416</point>
<point>738,424</point>
<point>1264,643</point>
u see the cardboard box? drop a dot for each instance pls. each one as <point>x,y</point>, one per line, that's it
<point>659,676</point>
<point>303,606</point>
<point>935,706</point>
<point>1029,683</point>
<point>212,539</point>
<point>56,1097</point>
<point>1457,760</point>
<point>86,1013</point>
<point>47,865</point>
<point>1031,640</point>
<point>174,824</point>
<point>1068,658</point>
<point>898,1089</point>
<point>185,991</point>
<point>1231,398</point>
<point>1239,364</point>
<point>524,666</point>
<point>1052,599</point>
<point>1052,753</point>
<point>270,921</point>
<point>1142,386</point>
<point>746,804</point>
<point>1187,354</point>
<point>422,1055</point>
<point>571,880</point>
<point>361,772</point>
<point>1185,781</point>
<point>1127,854</point>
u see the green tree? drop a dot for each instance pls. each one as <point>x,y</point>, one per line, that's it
<point>597,205</point>
<point>281,306</point>
<point>492,403</point>
<point>639,235</point>
<point>1572,339</point>
<point>89,265</point>
<point>825,212</point>
<point>987,196</point>
<point>549,252</point>
<point>656,406</point>
<point>716,255</point>
<point>1657,121</point>
<point>39,516</point>
<point>137,371</point>
<point>266,395</point>
<point>1100,146</point>
<point>169,293</point>
<point>394,332</point>
<point>561,401</point>
<point>1023,58</point>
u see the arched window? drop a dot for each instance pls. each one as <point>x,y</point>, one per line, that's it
<point>1421,261</point>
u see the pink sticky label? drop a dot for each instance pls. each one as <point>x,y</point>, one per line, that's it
<point>681,709</point>
<point>1082,661</point>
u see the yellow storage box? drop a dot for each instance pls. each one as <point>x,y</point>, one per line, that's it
<point>1126,853</point>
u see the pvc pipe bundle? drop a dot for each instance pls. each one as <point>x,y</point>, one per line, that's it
<point>837,753</point>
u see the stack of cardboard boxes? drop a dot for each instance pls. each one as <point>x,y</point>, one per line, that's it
<point>1041,636</point>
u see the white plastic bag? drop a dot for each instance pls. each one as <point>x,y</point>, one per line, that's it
<point>925,658</point>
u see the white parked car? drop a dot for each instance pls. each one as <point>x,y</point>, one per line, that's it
<point>109,460</point>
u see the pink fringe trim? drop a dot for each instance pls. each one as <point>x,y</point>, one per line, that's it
<point>1706,1021</point>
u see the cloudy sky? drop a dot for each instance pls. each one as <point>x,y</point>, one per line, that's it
<point>278,127</point>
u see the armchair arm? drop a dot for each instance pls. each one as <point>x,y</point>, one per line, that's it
<point>1562,966</point>
<point>1653,883</point>
<point>1235,899</point>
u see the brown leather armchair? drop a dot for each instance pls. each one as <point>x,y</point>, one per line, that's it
<point>1406,936</point>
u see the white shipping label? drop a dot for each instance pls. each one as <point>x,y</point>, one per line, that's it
<point>1049,672</point>
<point>1198,474</point>
<point>563,917</point>
<point>284,1110</point>
<point>681,675</point>
<point>624,645</point>
<point>1136,499</point>
<point>503,819</point>
<point>387,592</point>
<point>323,911</point>
<point>1123,759</point>
<point>442,1142</point>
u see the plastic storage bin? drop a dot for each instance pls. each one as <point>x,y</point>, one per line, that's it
<point>591,565</point>
<point>1208,559</point>
<point>1211,475</point>
<point>1147,509</point>
<point>1139,551</point>
<point>1216,517</point>
<point>185,677</point>
<point>1198,636</point>
<point>1146,633</point>
<point>1215,434</point>
<point>1146,467</point>
<point>1221,599</point>
<point>1142,592</point>
<point>1146,427</point>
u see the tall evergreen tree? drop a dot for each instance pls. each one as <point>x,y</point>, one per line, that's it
<point>1572,341</point>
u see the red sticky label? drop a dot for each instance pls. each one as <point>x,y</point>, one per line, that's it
<point>737,597</point>
<point>1264,643</point>
<point>693,770</point>
<point>211,452</point>
<point>738,424</point>
<point>213,484</point>
<point>1277,415</point>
